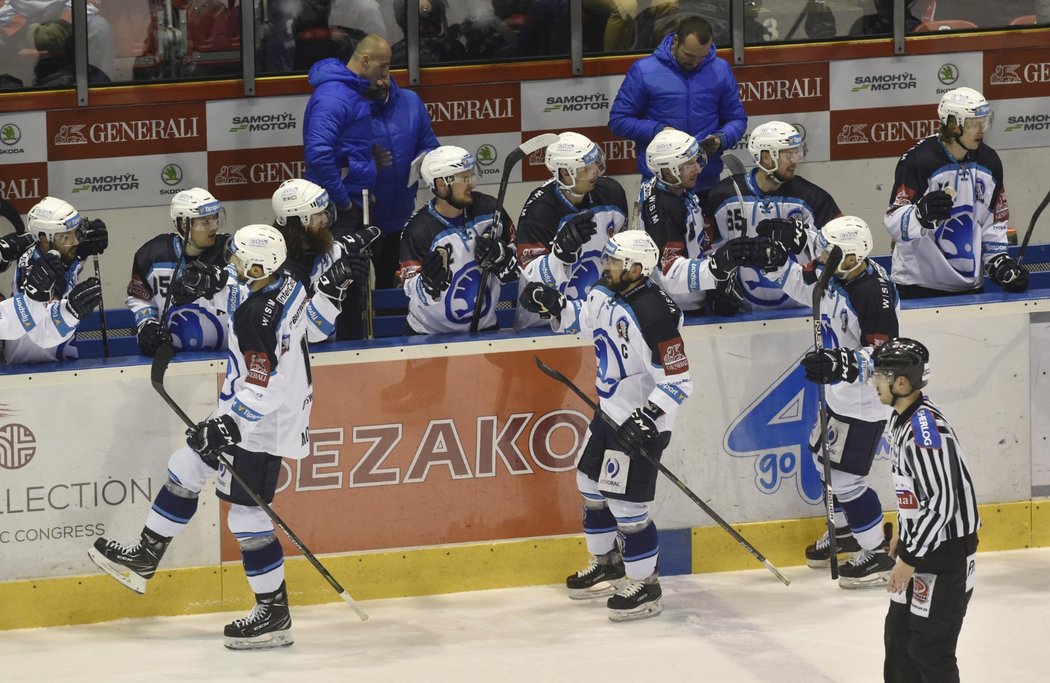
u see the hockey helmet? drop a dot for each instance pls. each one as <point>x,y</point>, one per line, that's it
<point>257,245</point>
<point>633,246</point>
<point>445,162</point>
<point>903,356</point>
<point>671,149</point>
<point>52,216</point>
<point>302,199</point>
<point>774,137</point>
<point>964,104</point>
<point>570,153</point>
<point>195,203</point>
<point>849,233</point>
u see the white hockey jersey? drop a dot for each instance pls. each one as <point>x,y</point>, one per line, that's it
<point>45,325</point>
<point>28,348</point>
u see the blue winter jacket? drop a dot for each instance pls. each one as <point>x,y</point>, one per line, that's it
<point>402,126</point>
<point>658,92</point>
<point>337,132</point>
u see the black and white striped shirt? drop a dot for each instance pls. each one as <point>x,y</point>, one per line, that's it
<point>935,496</point>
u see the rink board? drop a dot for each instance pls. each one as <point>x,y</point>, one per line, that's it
<point>448,466</point>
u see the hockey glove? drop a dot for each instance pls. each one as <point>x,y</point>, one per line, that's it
<point>639,429</point>
<point>767,255</point>
<point>151,336</point>
<point>789,232</point>
<point>84,297</point>
<point>725,299</point>
<point>933,207</point>
<point>344,272</point>
<point>198,280</point>
<point>1006,273</point>
<point>362,239</point>
<point>497,257</point>
<point>831,366</point>
<point>93,237</point>
<point>539,298</point>
<point>571,237</point>
<point>437,271</point>
<point>735,252</point>
<point>711,144</point>
<point>45,278</point>
<point>12,246</point>
<point>213,435</point>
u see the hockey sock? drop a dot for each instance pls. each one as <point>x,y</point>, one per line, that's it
<point>864,514</point>
<point>841,525</point>
<point>641,549</point>
<point>599,527</point>
<point>263,564</point>
<point>170,513</point>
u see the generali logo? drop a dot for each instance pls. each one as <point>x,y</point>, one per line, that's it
<point>457,111</point>
<point>1028,67</point>
<point>17,446</point>
<point>1005,74</point>
<point>891,131</point>
<point>253,173</point>
<point>764,89</point>
<point>125,131</point>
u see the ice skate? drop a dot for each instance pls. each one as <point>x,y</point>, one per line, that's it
<point>268,626</point>
<point>132,564</point>
<point>636,600</point>
<point>818,555</point>
<point>867,569</point>
<point>599,579</point>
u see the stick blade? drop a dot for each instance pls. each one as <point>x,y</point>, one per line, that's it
<point>537,143</point>
<point>830,266</point>
<point>733,164</point>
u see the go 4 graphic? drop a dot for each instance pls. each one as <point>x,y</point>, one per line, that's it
<point>775,431</point>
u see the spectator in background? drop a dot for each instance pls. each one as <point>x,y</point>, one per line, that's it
<point>402,132</point>
<point>337,141</point>
<point>682,85</point>
<point>303,32</point>
<point>56,67</point>
<point>881,22</point>
<point>481,35</point>
<point>17,23</point>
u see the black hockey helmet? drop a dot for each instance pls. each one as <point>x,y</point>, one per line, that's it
<point>903,356</point>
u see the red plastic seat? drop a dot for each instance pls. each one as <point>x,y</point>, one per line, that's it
<point>945,25</point>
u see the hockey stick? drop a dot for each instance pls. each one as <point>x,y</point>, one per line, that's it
<point>736,168</point>
<point>101,311</point>
<point>551,372</point>
<point>830,266</point>
<point>496,229</point>
<point>178,264</point>
<point>160,366</point>
<point>414,170</point>
<point>1031,225</point>
<point>366,212</point>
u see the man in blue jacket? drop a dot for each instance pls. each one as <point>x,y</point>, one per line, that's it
<point>682,85</point>
<point>401,131</point>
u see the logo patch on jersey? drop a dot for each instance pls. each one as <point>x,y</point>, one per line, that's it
<point>906,500</point>
<point>622,329</point>
<point>903,197</point>
<point>672,355</point>
<point>925,428</point>
<point>1002,209</point>
<point>258,368</point>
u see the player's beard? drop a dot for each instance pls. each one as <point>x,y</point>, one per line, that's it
<point>460,204</point>
<point>319,241</point>
<point>617,287</point>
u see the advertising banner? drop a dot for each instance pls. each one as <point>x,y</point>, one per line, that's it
<point>252,173</point>
<point>460,110</point>
<point>901,81</point>
<point>1016,73</point>
<point>125,131</point>
<point>24,184</point>
<point>568,103</point>
<point>255,122</point>
<point>23,138</point>
<point>864,133</point>
<point>771,89</point>
<point>120,182</point>
<point>1020,123</point>
<point>490,151</point>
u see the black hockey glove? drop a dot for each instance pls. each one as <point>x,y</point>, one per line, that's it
<point>735,252</point>
<point>539,298</point>
<point>344,272</point>
<point>725,299</point>
<point>831,366</point>
<point>84,297</point>
<point>213,435</point>
<point>12,246</point>
<point>639,429</point>
<point>437,271</point>
<point>151,336</point>
<point>198,280</point>
<point>1006,273</point>
<point>573,235</point>
<point>362,239</point>
<point>767,255</point>
<point>933,207</point>
<point>496,256</point>
<point>94,238</point>
<point>789,232</point>
<point>45,278</point>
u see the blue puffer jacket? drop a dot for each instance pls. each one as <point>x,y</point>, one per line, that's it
<point>337,132</point>
<point>658,92</point>
<point>401,126</point>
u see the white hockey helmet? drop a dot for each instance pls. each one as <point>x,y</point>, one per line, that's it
<point>964,104</point>
<point>444,163</point>
<point>302,199</point>
<point>52,216</point>
<point>670,149</point>
<point>258,245</point>
<point>570,153</point>
<point>633,246</point>
<point>773,137</point>
<point>193,203</point>
<point>849,233</point>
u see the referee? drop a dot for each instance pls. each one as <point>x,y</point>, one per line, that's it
<point>932,581</point>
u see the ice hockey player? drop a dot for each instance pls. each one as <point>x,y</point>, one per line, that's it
<point>447,246</point>
<point>566,222</point>
<point>263,415</point>
<point>948,214</point>
<point>643,377</point>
